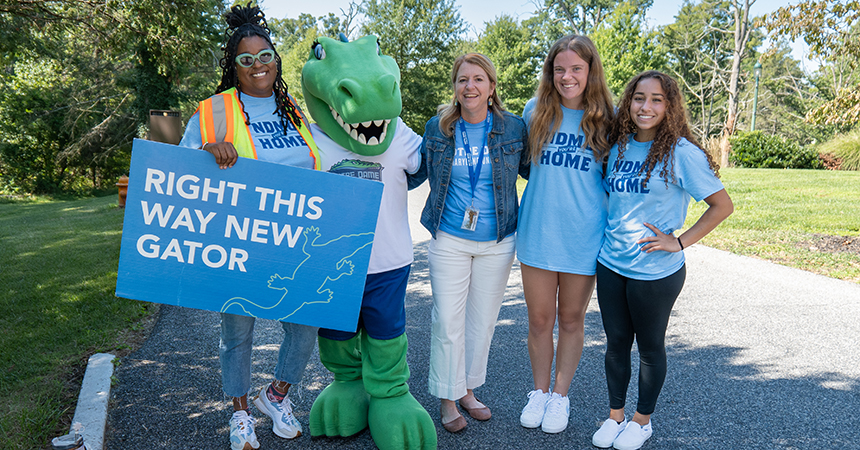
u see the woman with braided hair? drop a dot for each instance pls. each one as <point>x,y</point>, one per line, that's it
<point>253,116</point>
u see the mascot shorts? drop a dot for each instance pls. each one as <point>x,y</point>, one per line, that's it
<point>383,314</point>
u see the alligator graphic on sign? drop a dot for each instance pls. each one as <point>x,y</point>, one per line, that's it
<point>322,282</point>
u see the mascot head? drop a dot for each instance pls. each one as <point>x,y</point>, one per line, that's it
<point>353,93</point>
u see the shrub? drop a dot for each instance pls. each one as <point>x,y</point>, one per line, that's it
<point>845,147</point>
<point>758,150</point>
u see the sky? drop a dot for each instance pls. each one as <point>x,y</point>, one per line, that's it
<point>476,13</point>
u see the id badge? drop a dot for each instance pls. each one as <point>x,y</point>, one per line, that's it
<point>470,219</point>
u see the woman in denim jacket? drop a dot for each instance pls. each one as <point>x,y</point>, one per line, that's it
<point>472,215</point>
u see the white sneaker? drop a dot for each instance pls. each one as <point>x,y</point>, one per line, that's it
<point>608,432</point>
<point>532,414</point>
<point>242,436</point>
<point>557,413</point>
<point>633,436</point>
<point>284,423</point>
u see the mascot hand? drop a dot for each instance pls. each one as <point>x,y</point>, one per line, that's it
<point>340,410</point>
<point>401,423</point>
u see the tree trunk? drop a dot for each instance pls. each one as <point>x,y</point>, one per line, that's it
<point>741,34</point>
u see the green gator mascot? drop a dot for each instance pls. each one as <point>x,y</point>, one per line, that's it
<point>353,93</point>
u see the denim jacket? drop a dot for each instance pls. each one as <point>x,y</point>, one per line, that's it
<point>508,150</point>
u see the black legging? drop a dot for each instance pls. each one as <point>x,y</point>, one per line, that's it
<point>636,309</point>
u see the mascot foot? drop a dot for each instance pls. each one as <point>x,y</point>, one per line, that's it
<point>401,423</point>
<point>340,410</point>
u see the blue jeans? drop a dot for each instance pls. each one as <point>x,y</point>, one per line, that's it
<point>237,338</point>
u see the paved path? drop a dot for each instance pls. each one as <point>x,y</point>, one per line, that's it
<point>760,356</point>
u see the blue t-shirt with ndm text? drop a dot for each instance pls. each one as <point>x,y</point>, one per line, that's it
<point>563,209</point>
<point>459,195</point>
<point>272,142</point>
<point>660,202</point>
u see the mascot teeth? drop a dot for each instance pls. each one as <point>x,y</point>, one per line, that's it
<point>371,132</point>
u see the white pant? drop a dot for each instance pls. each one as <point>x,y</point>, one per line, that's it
<point>468,279</point>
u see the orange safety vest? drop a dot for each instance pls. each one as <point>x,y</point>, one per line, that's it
<point>222,120</point>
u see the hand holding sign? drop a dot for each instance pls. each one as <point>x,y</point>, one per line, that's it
<point>261,239</point>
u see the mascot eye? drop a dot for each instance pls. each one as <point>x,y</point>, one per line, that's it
<point>378,50</point>
<point>319,51</point>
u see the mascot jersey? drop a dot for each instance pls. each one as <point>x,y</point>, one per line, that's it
<point>352,91</point>
<point>392,247</point>
<point>272,142</point>
<point>662,204</point>
<point>563,210</point>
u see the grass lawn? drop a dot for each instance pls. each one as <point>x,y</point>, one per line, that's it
<point>58,262</point>
<point>781,215</point>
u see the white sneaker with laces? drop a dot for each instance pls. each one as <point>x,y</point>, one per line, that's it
<point>532,414</point>
<point>557,414</point>
<point>242,436</point>
<point>633,436</point>
<point>608,432</point>
<point>284,423</point>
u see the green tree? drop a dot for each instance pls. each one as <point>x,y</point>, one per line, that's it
<point>294,37</point>
<point>627,46</point>
<point>509,45</point>
<point>166,39</point>
<point>584,16</point>
<point>49,109</point>
<point>740,31</point>
<point>71,128</point>
<point>831,28</point>
<point>287,32</point>
<point>545,29</point>
<point>785,96</point>
<point>699,55</point>
<point>422,36</point>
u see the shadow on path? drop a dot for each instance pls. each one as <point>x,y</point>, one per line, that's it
<point>740,376</point>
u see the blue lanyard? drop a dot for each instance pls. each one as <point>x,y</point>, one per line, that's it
<point>475,172</point>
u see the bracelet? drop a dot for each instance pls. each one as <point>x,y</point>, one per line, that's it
<point>680,243</point>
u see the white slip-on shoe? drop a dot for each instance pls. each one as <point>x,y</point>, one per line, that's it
<point>608,432</point>
<point>633,436</point>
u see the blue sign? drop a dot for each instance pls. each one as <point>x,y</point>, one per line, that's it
<point>258,239</point>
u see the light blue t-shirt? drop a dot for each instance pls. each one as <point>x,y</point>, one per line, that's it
<point>459,195</point>
<point>272,142</point>
<point>563,210</point>
<point>663,205</point>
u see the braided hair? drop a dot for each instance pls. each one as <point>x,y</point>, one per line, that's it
<point>242,22</point>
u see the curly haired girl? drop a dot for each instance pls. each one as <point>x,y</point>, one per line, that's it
<point>640,268</point>
<point>671,129</point>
